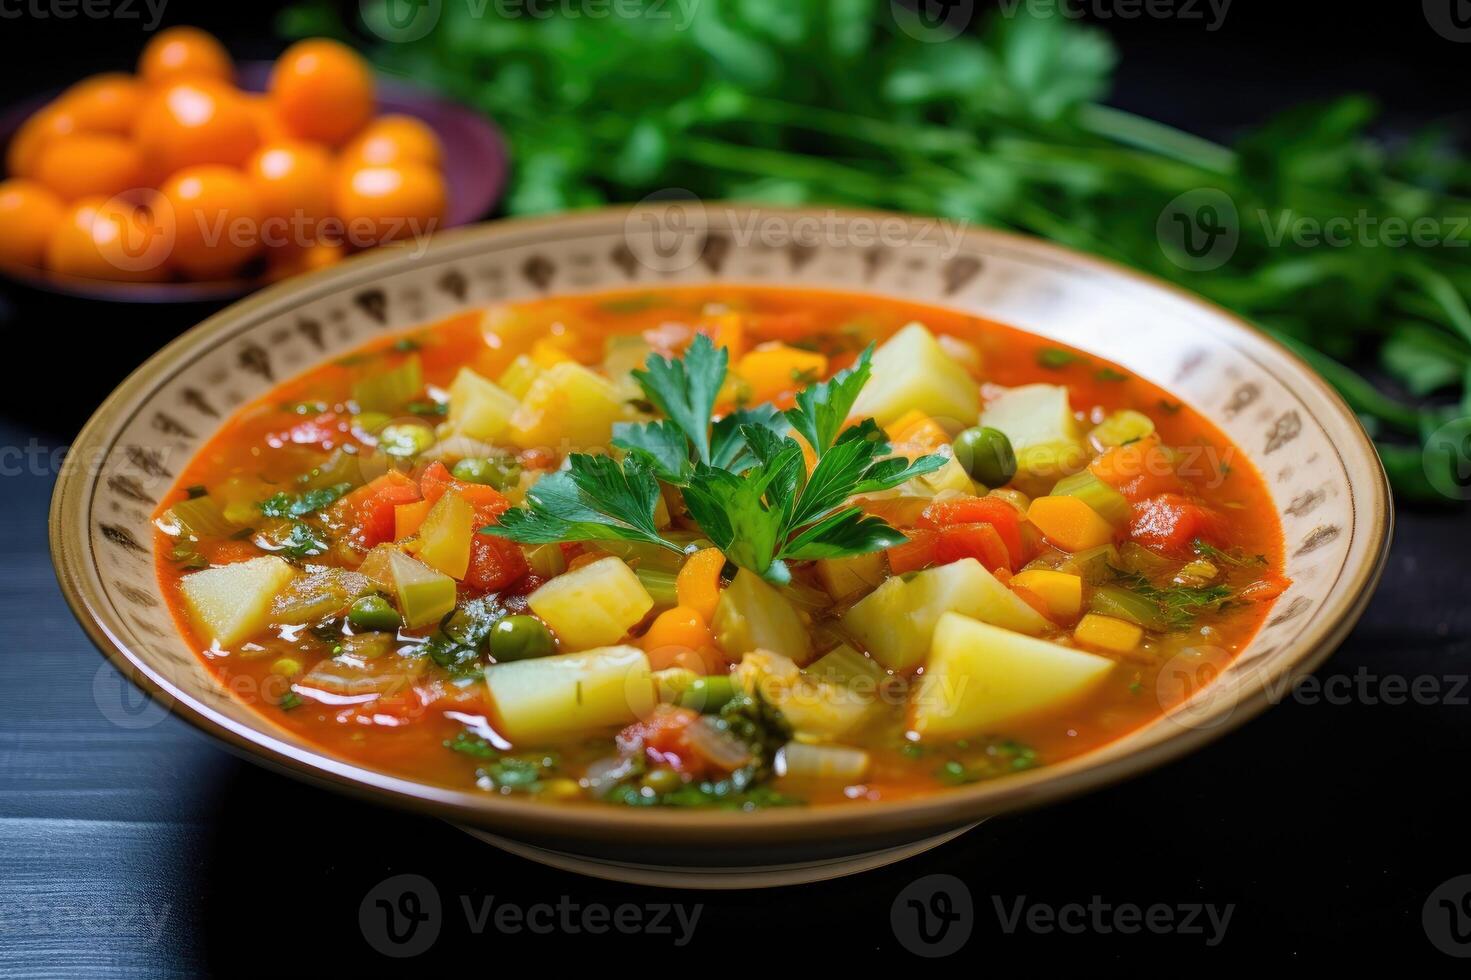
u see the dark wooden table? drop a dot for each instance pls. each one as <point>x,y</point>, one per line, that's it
<point>131,845</point>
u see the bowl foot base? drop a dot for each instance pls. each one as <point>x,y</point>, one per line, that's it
<point>717,877</point>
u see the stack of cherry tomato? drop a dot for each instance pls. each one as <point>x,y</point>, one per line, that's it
<point>174,173</point>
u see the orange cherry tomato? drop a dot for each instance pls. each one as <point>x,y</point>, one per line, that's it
<point>392,203</point>
<point>288,262</point>
<point>268,127</point>
<point>50,123</point>
<point>29,214</point>
<point>395,139</point>
<point>293,185</point>
<point>217,217</point>
<point>194,122</point>
<point>96,240</point>
<point>184,52</point>
<point>322,91</point>
<point>90,165</point>
<point>106,103</point>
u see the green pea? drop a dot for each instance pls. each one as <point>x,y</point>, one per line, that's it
<point>986,455</point>
<point>520,638</point>
<point>708,694</point>
<point>404,439</point>
<point>373,612</point>
<point>498,473</point>
<point>663,780</point>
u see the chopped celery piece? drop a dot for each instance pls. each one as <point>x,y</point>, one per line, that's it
<point>202,517</point>
<point>232,602</point>
<point>660,586</point>
<point>1119,429</point>
<point>424,595</point>
<point>341,467</point>
<point>844,665</point>
<point>239,496</point>
<point>516,379</point>
<point>387,391</point>
<point>810,706</point>
<point>1107,502</point>
<point>1120,603</point>
<point>752,615</point>
<point>318,595</point>
<point>1093,566</point>
<point>545,560</point>
<point>446,535</point>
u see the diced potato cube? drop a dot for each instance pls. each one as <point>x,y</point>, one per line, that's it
<point>1062,592</point>
<point>1070,523</point>
<point>568,406</point>
<point>752,615</point>
<point>846,577</point>
<point>479,408</point>
<point>1108,633</point>
<point>1045,436</point>
<point>980,678</point>
<point>912,372</point>
<point>592,606</point>
<point>895,624</point>
<point>948,480</point>
<point>232,602</point>
<point>570,695</point>
<point>424,594</point>
<point>446,535</point>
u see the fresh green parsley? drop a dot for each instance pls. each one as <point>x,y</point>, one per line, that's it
<point>744,478</point>
<point>294,505</point>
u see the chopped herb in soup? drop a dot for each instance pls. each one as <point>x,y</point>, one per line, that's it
<point>727,547</point>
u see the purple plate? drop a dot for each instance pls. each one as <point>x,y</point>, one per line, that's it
<point>475,167</point>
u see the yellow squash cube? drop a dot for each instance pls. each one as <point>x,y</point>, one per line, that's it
<point>981,678</point>
<point>592,606</point>
<point>446,535</point>
<point>1108,633</point>
<point>1062,592</point>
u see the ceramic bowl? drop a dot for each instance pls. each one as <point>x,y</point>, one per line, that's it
<point>1325,480</point>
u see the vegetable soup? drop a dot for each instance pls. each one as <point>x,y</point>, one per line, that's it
<point>718,546</point>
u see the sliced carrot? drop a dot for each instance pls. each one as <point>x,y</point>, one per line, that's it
<point>697,586</point>
<point>790,326</point>
<point>725,330</point>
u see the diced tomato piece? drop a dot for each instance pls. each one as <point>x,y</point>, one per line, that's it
<point>494,563</point>
<point>1169,524</point>
<point>790,326</point>
<point>324,432</point>
<point>661,737</point>
<point>437,479</point>
<point>920,551</point>
<point>980,510</point>
<point>368,511</point>
<point>979,541</point>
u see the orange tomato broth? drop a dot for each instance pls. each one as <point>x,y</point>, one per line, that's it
<point>409,740</point>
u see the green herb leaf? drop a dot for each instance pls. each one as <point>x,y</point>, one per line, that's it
<point>293,505</point>
<point>822,409</point>
<point>594,499</point>
<point>685,389</point>
<point>662,444</point>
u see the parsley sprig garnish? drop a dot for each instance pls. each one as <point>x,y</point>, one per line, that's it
<point>744,477</point>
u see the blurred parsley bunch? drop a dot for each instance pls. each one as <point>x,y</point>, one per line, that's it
<point>831,101</point>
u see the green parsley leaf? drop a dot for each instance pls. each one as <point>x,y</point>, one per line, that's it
<point>594,499</point>
<point>823,408</point>
<point>292,505</point>
<point>662,444</point>
<point>685,389</point>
